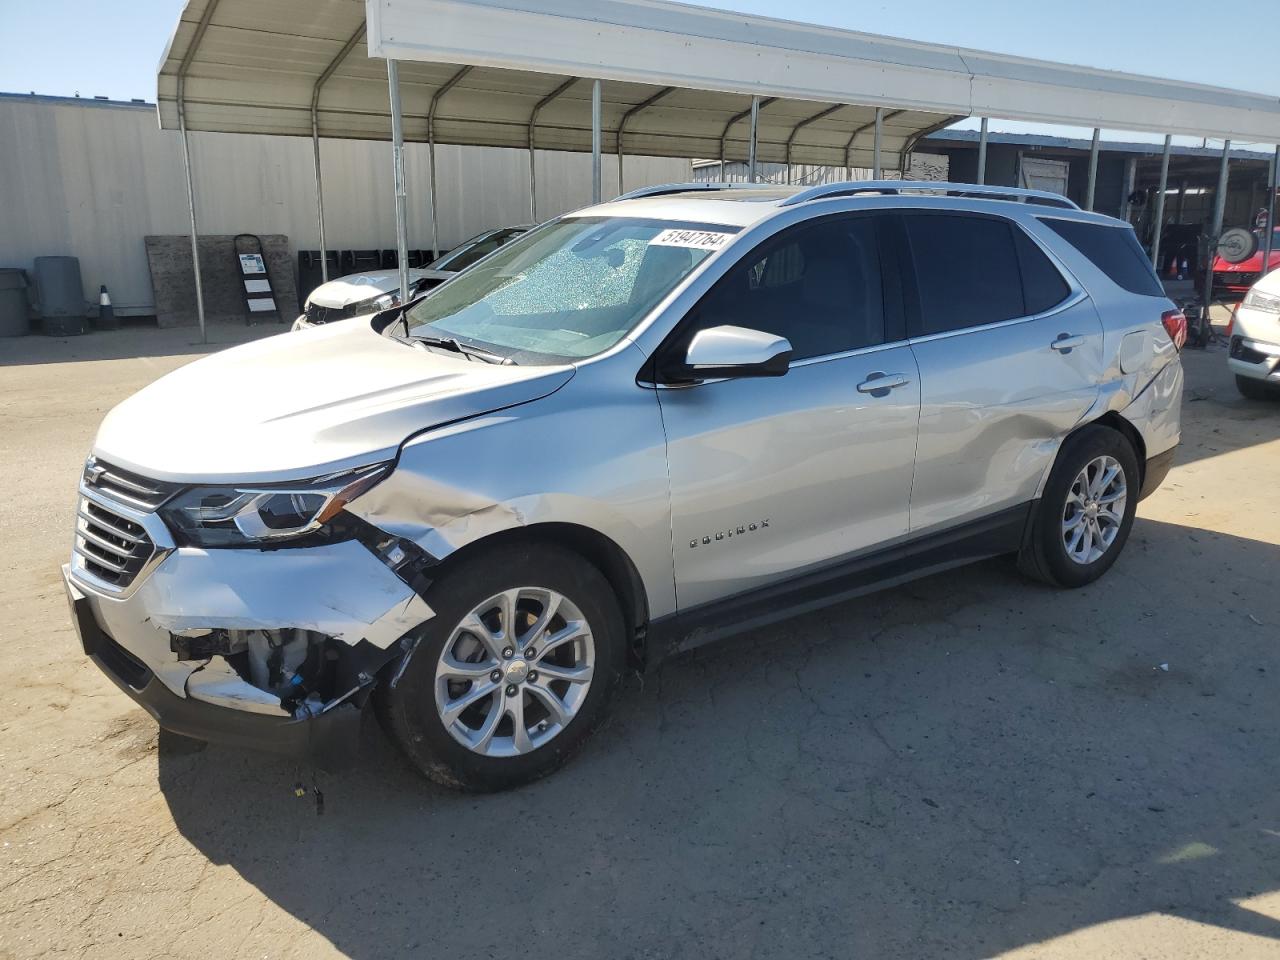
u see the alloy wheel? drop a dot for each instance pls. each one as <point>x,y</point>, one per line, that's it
<point>514,672</point>
<point>1094,510</point>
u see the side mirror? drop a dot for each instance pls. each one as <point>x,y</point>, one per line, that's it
<point>735,352</point>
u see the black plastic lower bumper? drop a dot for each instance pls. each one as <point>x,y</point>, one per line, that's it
<point>329,739</point>
<point>1158,468</point>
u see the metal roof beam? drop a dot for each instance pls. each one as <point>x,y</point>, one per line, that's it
<point>738,117</point>
<point>626,118</point>
<point>533,123</point>
<point>804,123</point>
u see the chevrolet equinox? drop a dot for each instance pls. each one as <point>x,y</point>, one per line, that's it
<point>636,428</point>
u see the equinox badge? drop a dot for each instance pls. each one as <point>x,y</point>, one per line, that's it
<point>739,531</point>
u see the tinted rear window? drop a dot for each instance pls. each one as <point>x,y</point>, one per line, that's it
<point>1114,251</point>
<point>967,271</point>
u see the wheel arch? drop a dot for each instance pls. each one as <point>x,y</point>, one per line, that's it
<point>1127,430</point>
<point>597,549</point>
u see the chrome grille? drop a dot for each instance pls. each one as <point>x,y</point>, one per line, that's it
<point>111,547</point>
<point>130,489</point>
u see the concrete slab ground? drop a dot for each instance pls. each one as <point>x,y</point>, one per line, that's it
<point>968,766</point>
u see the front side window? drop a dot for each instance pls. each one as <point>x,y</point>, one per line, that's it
<point>569,290</point>
<point>817,284</point>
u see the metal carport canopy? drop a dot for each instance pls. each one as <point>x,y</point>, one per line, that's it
<point>626,76</point>
<point>253,66</point>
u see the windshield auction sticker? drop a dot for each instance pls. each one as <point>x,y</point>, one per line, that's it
<point>697,239</point>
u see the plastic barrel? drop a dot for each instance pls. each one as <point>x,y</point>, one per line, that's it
<point>14,308</point>
<point>61,296</point>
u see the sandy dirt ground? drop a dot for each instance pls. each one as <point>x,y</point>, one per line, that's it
<point>966,766</point>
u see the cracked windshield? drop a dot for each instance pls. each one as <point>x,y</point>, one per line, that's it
<point>567,291</point>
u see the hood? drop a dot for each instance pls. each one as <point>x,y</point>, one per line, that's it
<point>362,286</point>
<point>305,404</point>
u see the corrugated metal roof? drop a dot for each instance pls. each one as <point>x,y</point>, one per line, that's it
<point>258,61</point>
<point>257,64</point>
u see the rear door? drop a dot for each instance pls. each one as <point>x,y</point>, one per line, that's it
<point>1010,356</point>
<point>774,476</point>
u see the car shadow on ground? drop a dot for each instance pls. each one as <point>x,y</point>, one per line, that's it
<point>957,767</point>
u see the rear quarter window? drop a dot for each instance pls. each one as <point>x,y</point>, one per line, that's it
<point>1113,250</point>
<point>1042,285</point>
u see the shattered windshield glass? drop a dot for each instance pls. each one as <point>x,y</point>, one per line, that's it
<point>568,290</point>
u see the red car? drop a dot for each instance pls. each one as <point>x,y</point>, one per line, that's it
<point>1237,278</point>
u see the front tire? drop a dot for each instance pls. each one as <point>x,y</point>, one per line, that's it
<point>1086,511</point>
<point>1253,389</point>
<point>513,673</point>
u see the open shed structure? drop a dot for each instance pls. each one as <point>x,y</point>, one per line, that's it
<point>645,77</point>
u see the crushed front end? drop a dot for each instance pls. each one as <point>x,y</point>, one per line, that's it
<point>275,646</point>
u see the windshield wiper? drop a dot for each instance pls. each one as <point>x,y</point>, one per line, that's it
<point>470,351</point>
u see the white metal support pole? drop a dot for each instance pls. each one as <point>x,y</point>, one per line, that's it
<point>191,209</point>
<point>315,140</point>
<point>533,126</point>
<point>533,179</point>
<point>431,153</point>
<point>1273,176</point>
<point>982,152</point>
<point>876,170</point>
<point>194,45</point>
<point>751,152</point>
<point>315,150</point>
<point>397,173</point>
<point>1158,218</point>
<point>1130,184</point>
<point>431,185</point>
<point>1215,229</point>
<point>1092,189</point>
<point>595,141</point>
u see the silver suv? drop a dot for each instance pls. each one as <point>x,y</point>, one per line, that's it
<point>639,427</point>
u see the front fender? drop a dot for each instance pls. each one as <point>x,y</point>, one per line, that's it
<point>592,455</point>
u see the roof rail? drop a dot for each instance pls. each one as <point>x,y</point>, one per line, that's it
<point>894,187</point>
<point>664,188</point>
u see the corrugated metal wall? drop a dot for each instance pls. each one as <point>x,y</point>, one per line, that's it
<point>90,179</point>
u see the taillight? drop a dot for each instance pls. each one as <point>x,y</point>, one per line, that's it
<point>1175,324</point>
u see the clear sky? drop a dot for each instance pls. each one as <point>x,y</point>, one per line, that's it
<point>112,48</point>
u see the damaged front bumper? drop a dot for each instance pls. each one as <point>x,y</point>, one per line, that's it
<point>269,650</point>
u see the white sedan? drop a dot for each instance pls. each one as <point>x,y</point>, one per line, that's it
<point>1255,340</point>
<point>359,294</point>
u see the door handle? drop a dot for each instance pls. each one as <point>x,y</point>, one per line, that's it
<point>1066,342</point>
<point>879,384</point>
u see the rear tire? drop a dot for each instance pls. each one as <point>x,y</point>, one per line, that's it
<point>1256,389</point>
<point>492,657</point>
<point>1084,516</point>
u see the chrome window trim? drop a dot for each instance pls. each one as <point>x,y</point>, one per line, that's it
<point>151,523</point>
<point>794,364</point>
<point>843,354</point>
<point>1076,297</point>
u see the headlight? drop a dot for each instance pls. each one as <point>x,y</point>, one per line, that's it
<point>1262,301</point>
<point>234,516</point>
<point>376,304</point>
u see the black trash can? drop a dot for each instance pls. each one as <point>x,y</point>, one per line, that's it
<point>61,296</point>
<point>15,309</point>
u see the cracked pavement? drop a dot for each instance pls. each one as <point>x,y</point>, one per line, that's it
<point>966,766</point>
